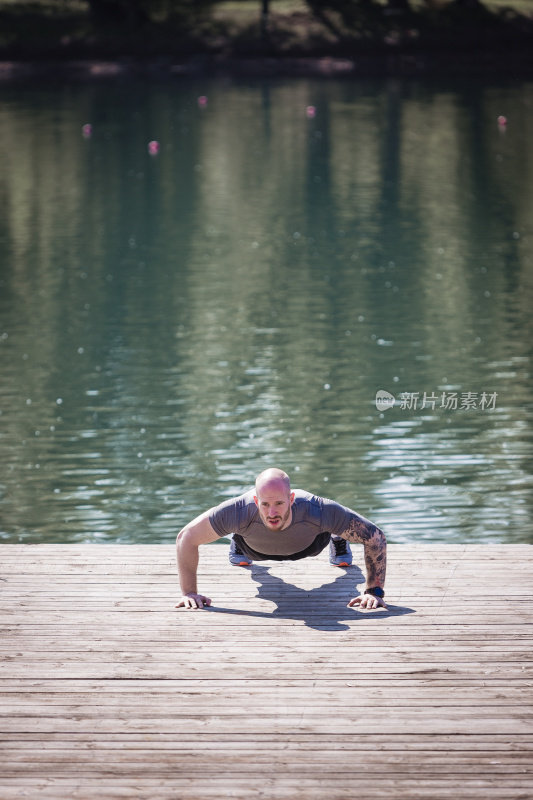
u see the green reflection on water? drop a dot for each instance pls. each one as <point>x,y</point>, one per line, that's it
<point>171,325</point>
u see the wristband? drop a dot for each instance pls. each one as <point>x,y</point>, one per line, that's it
<point>375,590</point>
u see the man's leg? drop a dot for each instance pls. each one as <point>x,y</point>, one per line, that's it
<point>237,557</point>
<point>242,555</point>
<point>340,554</point>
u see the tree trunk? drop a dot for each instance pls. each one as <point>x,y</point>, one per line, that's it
<point>264,18</point>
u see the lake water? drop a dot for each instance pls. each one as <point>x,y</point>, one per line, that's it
<point>171,324</point>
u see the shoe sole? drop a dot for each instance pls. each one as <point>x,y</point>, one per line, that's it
<point>241,564</point>
<point>342,564</point>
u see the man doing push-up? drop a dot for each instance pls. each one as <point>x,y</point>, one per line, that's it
<point>273,523</point>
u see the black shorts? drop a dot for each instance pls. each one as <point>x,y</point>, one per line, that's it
<point>317,545</point>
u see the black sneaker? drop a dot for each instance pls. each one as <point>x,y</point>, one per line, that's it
<point>340,554</point>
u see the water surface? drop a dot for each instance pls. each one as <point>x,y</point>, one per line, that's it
<point>171,325</point>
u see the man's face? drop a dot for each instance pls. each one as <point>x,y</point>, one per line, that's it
<point>274,504</point>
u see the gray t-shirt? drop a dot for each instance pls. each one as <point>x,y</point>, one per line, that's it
<point>311,515</point>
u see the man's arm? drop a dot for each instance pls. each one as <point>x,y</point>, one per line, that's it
<point>372,538</point>
<point>199,531</point>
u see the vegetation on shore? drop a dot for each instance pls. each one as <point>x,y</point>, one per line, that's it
<point>178,30</point>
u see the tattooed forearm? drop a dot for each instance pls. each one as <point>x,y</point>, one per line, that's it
<point>376,559</point>
<point>361,531</point>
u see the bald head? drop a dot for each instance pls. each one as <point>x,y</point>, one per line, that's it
<point>274,499</point>
<point>272,478</point>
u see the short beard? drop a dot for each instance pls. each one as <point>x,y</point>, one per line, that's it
<point>284,519</point>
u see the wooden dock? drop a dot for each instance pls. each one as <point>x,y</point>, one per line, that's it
<point>279,690</point>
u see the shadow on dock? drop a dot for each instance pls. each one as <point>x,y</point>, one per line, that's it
<point>323,608</point>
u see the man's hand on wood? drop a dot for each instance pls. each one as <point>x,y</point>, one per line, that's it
<point>191,601</point>
<point>367,601</point>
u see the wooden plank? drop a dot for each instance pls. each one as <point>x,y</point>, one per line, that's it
<point>432,636</point>
<point>375,691</point>
<point>162,763</point>
<point>214,755</point>
<point>398,787</point>
<point>424,721</point>
<point>458,744</point>
<point>277,672</point>
<point>275,698</point>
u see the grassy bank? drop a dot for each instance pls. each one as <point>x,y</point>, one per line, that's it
<point>447,30</point>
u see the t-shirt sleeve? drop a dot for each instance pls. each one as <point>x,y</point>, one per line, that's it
<point>224,517</point>
<point>337,518</point>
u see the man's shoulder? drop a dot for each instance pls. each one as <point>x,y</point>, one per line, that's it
<point>301,497</point>
<point>316,504</point>
<point>307,506</point>
<point>240,502</point>
<point>241,507</point>
<point>234,514</point>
